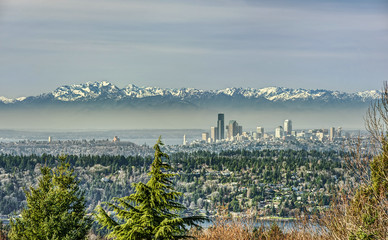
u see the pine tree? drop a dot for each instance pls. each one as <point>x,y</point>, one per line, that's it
<point>55,208</point>
<point>152,212</point>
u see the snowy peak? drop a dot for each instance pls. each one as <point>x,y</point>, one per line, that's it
<point>87,91</point>
<point>281,94</point>
<point>93,91</point>
<point>373,94</point>
<point>11,100</point>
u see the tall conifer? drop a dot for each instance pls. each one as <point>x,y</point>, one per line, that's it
<point>55,208</point>
<point>152,212</point>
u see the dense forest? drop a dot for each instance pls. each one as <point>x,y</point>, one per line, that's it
<point>268,182</point>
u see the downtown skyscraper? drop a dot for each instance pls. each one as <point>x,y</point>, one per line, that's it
<point>287,126</point>
<point>221,126</point>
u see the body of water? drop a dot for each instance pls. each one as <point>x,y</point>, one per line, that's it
<point>146,136</point>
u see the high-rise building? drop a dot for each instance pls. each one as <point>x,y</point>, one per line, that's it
<point>50,139</point>
<point>220,126</point>
<point>260,131</point>
<point>339,132</point>
<point>287,127</point>
<point>184,140</point>
<point>332,134</point>
<point>205,136</point>
<point>233,129</point>
<point>214,133</point>
<point>279,132</point>
<point>240,130</point>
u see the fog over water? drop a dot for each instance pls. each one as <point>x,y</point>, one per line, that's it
<point>82,119</point>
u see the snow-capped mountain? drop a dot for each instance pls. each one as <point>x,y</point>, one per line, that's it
<point>88,91</point>
<point>105,91</point>
<point>11,100</point>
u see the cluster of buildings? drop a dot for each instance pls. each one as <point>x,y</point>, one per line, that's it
<point>234,132</point>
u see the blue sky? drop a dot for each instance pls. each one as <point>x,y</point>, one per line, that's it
<point>338,45</point>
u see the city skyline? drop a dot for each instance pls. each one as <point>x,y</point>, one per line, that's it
<point>234,132</point>
<point>306,44</point>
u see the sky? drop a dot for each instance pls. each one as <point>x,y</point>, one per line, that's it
<point>312,44</point>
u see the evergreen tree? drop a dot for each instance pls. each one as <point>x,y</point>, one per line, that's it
<point>55,208</point>
<point>3,231</point>
<point>152,212</point>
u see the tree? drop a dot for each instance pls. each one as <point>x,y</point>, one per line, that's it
<point>361,213</point>
<point>152,212</point>
<point>3,231</point>
<point>55,208</point>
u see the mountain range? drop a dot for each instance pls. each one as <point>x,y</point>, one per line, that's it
<point>107,94</point>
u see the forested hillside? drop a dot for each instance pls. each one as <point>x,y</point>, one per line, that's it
<point>269,182</point>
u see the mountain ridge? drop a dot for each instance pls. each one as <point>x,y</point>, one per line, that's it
<point>104,90</point>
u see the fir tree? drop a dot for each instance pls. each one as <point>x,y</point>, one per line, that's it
<point>152,212</point>
<point>55,208</point>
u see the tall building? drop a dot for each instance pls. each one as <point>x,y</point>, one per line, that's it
<point>233,129</point>
<point>214,133</point>
<point>220,126</point>
<point>279,132</point>
<point>287,127</point>
<point>260,131</point>
<point>339,132</point>
<point>184,140</point>
<point>205,136</point>
<point>332,134</point>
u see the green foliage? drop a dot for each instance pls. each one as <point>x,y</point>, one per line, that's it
<point>368,202</point>
<point>196,172</point>
<point>152,212</point>
<point>55,208</point>
<point>3,231</point>
<point>275,232</point>
<point>234,206</point>
<point>379,172</point>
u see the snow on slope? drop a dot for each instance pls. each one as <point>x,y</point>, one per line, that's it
<point>105,90</point>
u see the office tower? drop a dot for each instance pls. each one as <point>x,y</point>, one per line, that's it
<point>339,132</point>
<point>287,127</point>
<point>279,132</point>
<point>184,140</point>
<point>220,126</point>
<point>260,132</point>
<point>233,129</point>
<point>213,133</point>
<point>332,134</point>
<point>240,130</point>
<point>50,139</point>
<point>205,136</point>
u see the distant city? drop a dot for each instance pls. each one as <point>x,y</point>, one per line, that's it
<point>222,137</point>
<point>232,137</point>
<point>234,132</point>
